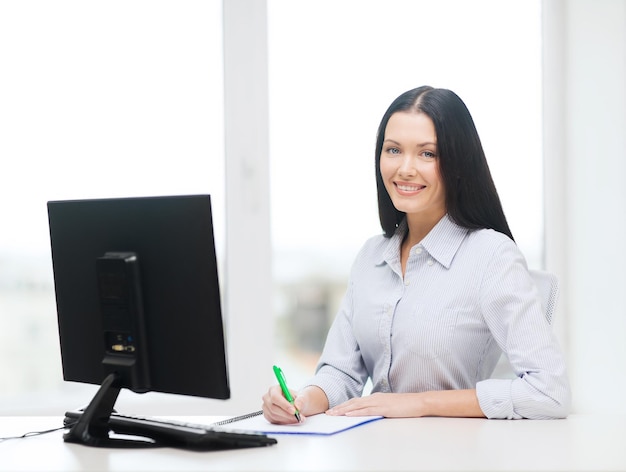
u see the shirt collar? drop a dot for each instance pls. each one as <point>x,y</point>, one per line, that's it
<point>442,242</point>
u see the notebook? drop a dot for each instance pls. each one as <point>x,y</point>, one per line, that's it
<point>321,424</point>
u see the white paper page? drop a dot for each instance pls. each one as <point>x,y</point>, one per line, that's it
<point>318,424</point>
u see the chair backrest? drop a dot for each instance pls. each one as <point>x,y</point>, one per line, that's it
<point>548,286</point>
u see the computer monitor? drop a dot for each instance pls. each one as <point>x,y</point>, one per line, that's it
<point>138,300</point>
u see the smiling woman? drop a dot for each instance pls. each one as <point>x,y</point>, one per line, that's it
<point>433,302</point>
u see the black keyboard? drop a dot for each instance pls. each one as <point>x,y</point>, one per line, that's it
<point>179,434</point>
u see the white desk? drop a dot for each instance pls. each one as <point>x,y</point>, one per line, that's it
<point>581,442</point>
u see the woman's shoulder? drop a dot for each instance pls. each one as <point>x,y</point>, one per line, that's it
<point>489,245</point>
<point>376,241</point>
<point>373,250</point>
<point>374,245</point>
<point>489,238</point>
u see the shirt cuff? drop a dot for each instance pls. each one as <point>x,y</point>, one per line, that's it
<point>495,399</point>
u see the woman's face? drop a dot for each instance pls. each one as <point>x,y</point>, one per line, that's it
<point>409,165</point>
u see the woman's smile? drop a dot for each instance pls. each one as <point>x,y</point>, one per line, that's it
<point>408,189</point>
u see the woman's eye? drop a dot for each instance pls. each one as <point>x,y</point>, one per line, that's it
<point>393,150</point>
<point>429,154</point>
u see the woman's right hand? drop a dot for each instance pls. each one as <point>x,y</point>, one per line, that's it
<point>308,401</point>
<point>277,409</point>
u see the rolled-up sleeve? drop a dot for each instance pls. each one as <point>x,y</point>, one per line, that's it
<point>512,309</point>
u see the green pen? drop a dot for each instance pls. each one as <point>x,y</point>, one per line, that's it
<point>283,385</point>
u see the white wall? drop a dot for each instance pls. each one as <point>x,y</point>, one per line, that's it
<point>585,158</point>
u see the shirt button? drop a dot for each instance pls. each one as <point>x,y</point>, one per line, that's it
<point>430,262</point>
<point>406,282</point>
<point>418,250</point>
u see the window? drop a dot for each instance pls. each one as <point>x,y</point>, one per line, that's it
<point>97,100</point>
<point>334,69</point>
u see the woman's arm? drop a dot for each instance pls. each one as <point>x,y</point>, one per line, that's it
<point>512,309</point>
<point>457,403</point>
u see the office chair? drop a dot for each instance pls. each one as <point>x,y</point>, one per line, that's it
<point>548,286</point>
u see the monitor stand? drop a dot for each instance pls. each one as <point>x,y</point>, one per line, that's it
<point>92,428</point>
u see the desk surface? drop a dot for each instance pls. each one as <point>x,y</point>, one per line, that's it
<point>581,442</point>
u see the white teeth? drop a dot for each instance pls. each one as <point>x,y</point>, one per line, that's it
<point>409,188</point>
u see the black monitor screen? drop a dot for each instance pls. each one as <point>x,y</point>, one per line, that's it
<point>137,293</point>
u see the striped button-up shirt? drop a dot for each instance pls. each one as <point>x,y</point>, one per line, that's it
<point>466,297</point>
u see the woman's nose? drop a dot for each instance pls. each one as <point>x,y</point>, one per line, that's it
<point>407,166</point>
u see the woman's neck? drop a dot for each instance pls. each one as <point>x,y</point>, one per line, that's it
<point>419,227</point>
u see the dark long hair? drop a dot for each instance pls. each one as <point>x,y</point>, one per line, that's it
<point>471,197</point>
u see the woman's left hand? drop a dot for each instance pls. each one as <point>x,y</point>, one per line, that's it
<point>390,405</point>
<point>456,403</point>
